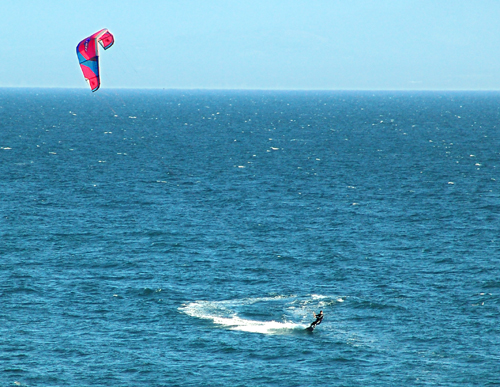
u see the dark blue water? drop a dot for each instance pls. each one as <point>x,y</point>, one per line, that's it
<point>169,238</point>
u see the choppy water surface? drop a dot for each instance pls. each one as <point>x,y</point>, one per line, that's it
<point>169,238</point>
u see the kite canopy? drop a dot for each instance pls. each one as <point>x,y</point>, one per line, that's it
<point>88,55</point>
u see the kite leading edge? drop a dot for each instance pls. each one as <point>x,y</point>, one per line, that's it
<point>88,55</point>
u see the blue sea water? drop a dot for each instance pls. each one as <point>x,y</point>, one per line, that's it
<point>184,238</point>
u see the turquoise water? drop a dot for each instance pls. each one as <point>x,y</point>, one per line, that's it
<point>175,238</point>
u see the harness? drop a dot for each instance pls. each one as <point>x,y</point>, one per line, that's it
<point>319,318</point>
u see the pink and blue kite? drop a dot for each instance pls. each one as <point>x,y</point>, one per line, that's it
<point>88,55</point>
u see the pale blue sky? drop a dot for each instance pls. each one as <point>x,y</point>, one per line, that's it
<point>256,44</point>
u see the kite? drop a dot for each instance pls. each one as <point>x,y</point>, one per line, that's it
<point>88,55</point>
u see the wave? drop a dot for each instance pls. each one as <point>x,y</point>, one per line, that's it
<point>295,312</point>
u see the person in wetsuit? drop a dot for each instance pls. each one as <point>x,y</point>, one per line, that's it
<point>318,317</point>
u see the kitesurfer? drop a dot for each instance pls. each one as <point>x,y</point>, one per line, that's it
<point>318,317</point>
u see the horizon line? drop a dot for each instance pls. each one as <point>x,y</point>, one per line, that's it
<point>249,89</point>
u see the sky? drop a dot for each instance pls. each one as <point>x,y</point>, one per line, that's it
<point>256,44</point>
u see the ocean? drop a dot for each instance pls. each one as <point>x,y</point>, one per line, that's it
<point>185,238</point>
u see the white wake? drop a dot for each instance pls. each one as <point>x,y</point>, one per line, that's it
<point>296,312</point>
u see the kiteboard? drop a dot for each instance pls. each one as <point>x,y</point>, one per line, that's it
<point>310,328</point>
